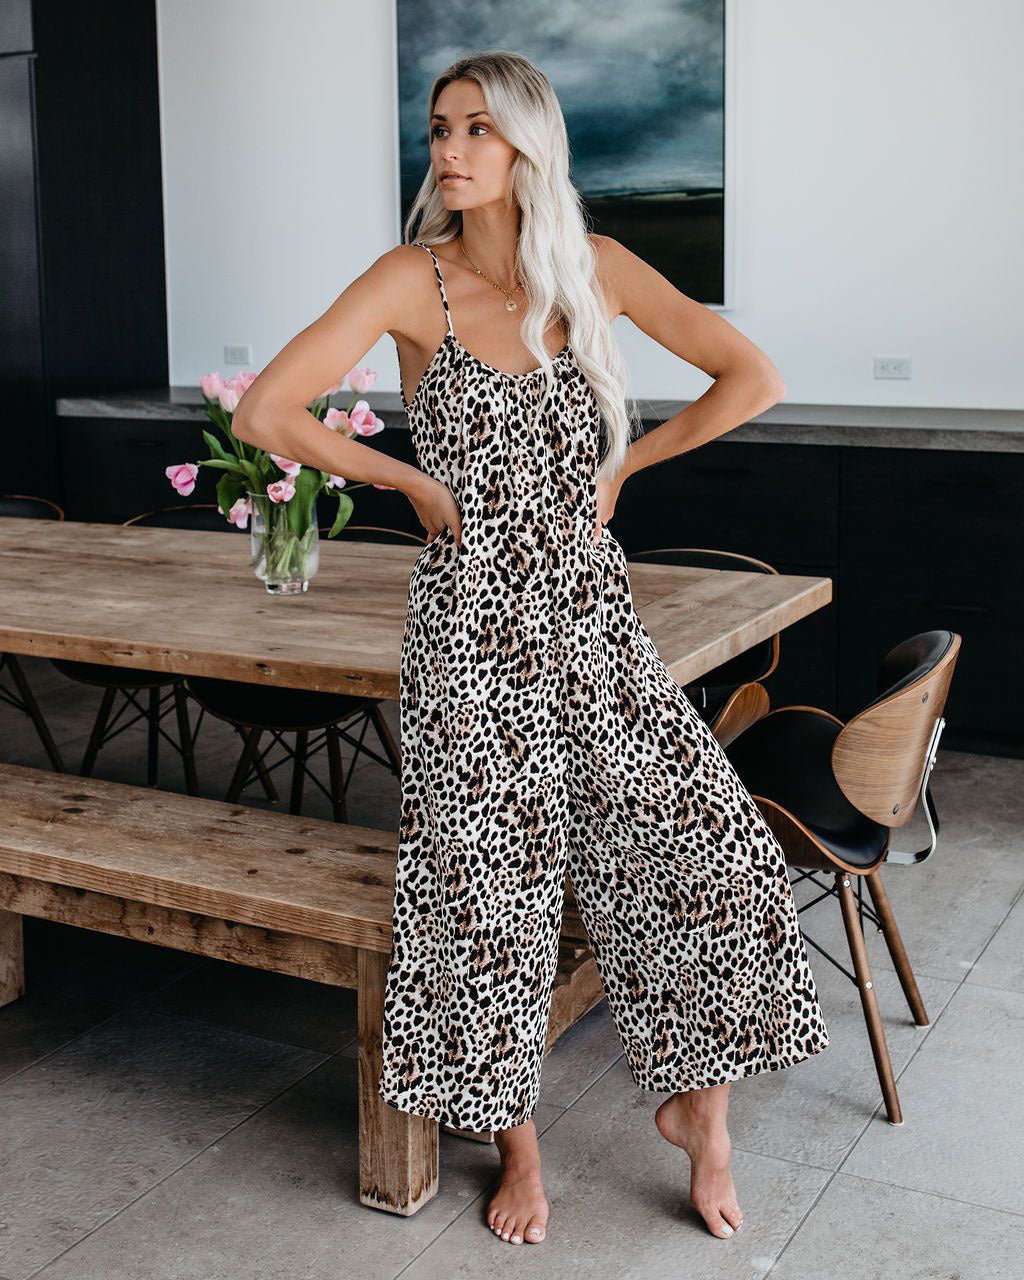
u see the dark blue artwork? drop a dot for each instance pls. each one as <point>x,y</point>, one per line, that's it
<point>642,89</point>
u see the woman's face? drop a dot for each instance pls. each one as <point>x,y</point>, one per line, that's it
<point>463,139</point>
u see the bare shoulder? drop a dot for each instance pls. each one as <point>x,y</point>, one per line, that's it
<point>609,270</point>
<point>405,273</point>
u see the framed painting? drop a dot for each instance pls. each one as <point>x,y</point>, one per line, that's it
<point>644,96</point>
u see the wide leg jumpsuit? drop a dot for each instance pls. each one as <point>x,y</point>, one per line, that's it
<point>541,734</point>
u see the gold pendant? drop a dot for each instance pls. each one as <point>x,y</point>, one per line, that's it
<point>511,305</point>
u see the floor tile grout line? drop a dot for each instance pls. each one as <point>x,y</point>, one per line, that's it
<point>222,1137</point>
<point>939,1195</point>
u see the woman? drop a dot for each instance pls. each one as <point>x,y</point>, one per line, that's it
<point>541,732</point>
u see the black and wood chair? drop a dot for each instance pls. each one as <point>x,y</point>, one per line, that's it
<point>834,793</point>
<point>144,695</point>
<point>710,693</point>
<point>21,697</point>
<point>318,720</point>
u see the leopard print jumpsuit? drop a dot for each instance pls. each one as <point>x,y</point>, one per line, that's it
<point>541,735</point>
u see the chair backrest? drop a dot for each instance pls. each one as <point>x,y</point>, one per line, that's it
<point>753,664</point>
<point>29,507</point>
<point>187,515</point>
<point>880,756</point>
<point>375,533</point>
<point>704,558</point>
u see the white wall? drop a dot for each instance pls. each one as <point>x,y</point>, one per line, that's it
<point>878,197</point>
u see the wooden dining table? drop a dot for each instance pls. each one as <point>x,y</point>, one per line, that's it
<point>186,601</point>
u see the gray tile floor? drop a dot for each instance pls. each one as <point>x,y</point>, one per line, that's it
<point>168,1118</point>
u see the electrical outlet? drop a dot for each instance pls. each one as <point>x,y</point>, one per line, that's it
<point>238,354</point>
<point>892,366</point>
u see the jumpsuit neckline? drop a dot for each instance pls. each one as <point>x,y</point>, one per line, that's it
<point>450,337</point>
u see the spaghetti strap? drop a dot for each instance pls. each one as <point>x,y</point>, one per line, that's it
<point>440,285</point>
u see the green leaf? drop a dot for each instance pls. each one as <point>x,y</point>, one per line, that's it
<point>220,464</point>
<point>217,449</point>
<point>345,507</point>
<point>300,508</point>
<point>229,489</point>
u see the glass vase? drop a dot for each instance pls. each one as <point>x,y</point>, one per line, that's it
<point>282,559</point>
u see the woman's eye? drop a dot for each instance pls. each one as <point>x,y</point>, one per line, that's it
<point>436,131</point>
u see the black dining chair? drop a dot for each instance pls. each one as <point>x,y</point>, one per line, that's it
<point>712,691</point>
<point>144,695</point>
<point>834,793</point>
<point>318,720</point>
<point>21,697</point>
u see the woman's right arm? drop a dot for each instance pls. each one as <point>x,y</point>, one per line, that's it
<point>272,414</point>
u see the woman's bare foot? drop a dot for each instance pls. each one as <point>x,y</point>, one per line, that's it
<point>695,1121</point>
<point>518,1210</point>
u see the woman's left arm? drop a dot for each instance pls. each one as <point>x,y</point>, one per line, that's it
<point>746,382</point>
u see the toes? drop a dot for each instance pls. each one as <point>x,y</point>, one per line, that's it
<point>535,1231</point>
<point>717,1225</point>
<point>733,1214</point>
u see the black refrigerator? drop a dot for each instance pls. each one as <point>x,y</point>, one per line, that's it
<point>82,282</point>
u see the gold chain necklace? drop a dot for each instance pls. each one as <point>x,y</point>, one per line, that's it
<point>510,302</point>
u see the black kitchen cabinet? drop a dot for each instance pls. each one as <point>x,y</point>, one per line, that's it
<point>935,538</point>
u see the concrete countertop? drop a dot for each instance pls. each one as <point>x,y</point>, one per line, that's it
<point>871,426</point>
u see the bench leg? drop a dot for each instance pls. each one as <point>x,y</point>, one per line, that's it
<point>398,1152</point>
<point>12,957</point>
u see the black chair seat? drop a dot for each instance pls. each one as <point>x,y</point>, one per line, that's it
<point>267,706</point>
<point>787,757</point>
<point>101,673</point>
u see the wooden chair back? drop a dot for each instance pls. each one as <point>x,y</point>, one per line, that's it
<point>880,756</point>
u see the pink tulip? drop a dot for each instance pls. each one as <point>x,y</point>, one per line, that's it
<point>244,380</point>
<point>229,394</point>
<point>336,482</point>
<point>287,466</point>
<point>337,420</point>
<point>364,421</point>
<point>240,512</point>
<point>210,385</point>
<point>362,378</point>
<point>183,476</point>
<point>281,491</point>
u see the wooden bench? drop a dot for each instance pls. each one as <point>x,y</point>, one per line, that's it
<point>275,891</point>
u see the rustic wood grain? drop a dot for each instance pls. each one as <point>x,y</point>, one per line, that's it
<point>280,871</point>
<point>187,601</point>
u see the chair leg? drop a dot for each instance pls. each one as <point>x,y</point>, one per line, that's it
<point>337,776</point>
<point>869,1002</point>
<point>36,715</point>
<point>896,949</point>
<point>98,730</point>
<point>298,770</point>
<point>153,745</point>
<point>188,756</point>
<point>261,769</point>
<point>252,741</point>
<point>387,739</point>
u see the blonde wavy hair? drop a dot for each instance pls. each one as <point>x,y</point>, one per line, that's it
<point>555,259</point>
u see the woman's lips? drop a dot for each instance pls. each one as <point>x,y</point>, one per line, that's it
<point>453,179</point>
